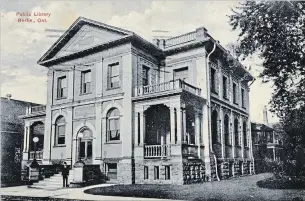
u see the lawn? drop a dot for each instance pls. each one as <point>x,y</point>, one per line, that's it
<point>243,188</point>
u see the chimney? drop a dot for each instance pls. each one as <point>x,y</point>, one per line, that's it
<point>265,115</point>
<point>8,96</point>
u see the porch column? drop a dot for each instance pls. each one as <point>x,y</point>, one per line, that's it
<point>232,134</point>
<point>179,124</point>
<point>173,125</point>
<point>222,133</point>
<point>183,124</point>
<point>142,127</point>
<point>197,132</point>
<point>26,138</point>
<point>242,137</point>
<point>136,130</point>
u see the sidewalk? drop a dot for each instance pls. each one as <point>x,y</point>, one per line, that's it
<point>64,193</point>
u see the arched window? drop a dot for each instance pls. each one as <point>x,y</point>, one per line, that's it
<point>245,134</point>
<point>236,131</point>
<point>214,126</point>
<point>226,130</point>
<point>60,131</point>
<point>113,125</point>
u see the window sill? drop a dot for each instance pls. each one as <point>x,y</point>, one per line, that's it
<point>114,142</point>
<point>112,88</point>
<point>63,98</point>
<point>59,145</point>
<point>214,92</point>
<point>83,94</point>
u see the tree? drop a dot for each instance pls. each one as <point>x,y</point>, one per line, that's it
<point>275,30</point>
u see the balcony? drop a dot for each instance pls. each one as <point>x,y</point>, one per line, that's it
<point>190,150</point>
<point>39,155</point>
<point>170,86</point>
<point>156,151</point>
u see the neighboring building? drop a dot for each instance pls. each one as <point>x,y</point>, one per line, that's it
<point>148,113</point>
<point>267,146</point>
<point>12,128</point>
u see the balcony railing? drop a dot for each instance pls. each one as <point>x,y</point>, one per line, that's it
<point>39,155</point>
<point>156,151</point>
<point>37,109</point>
<point>190,150</point>
<point>166,86</point>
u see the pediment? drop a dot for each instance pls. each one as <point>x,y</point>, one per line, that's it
<point>87,37</point>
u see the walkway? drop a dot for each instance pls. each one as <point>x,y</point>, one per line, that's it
<point>63,193</point>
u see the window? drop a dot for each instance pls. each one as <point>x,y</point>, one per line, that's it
<point>156,172</point>
<point>114,75</point>
<point>113,125</point>
<point>167,172</point>
<point>243,98</point>
<point>145,172</point>
<point>86,82</point>
<point>181,73</point>
<point>60,131</point>
<point>112,170</point>
<point>234,93</point>
<point>225,87</point>
<point>62,87</point>
<point>213,80</point>
<point>145,76</point>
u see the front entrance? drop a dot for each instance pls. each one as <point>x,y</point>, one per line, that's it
<point>85,141</point>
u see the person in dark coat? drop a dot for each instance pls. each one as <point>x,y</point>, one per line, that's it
<point>65,174</point>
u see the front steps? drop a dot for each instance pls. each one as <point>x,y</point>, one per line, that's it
<point>53,183</point>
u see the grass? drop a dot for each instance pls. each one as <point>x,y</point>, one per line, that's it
<point>243,188</point>
<point>282,183</point>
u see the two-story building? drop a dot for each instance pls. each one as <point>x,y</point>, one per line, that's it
<point>174,111</point>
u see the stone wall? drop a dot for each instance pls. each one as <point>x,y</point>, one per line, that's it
<point>194,172</point>
<point>176,171</point>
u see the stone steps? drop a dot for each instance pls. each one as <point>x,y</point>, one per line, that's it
<point>53,183</point>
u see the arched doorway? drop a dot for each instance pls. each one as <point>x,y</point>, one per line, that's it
<point>85,141</point>
<point>157,125</point>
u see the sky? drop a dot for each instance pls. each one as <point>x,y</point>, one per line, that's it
<point>22,44</point>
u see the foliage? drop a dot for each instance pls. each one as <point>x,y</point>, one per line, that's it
<point>276,31</point>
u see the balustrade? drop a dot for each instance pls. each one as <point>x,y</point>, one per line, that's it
<point>39,155</point>
<point>155,151</point>
<point>190,150</point>
<point>36,109</point>
<point>167,86</point>
<point>180,39</point>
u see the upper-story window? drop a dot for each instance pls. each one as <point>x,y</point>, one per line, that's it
<point>225,87</point>
<point>145,76</point>
<point>114,75</point>
<point>243,98</point>
<point>113,125</point>
<point>234,93</point>
<point>213,80</point>
<point>181,73</point>
<point>86,82</point>
<point>62,87</point>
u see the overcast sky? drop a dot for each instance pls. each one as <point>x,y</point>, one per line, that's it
<point>22,44</point>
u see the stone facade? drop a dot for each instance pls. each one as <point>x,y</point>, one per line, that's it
<point>148,108</point>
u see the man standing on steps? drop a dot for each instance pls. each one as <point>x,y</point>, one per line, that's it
<point>65,174</point>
